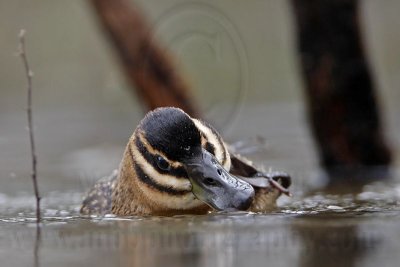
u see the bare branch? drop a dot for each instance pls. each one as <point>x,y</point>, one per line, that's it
<point>29,75</point>
<point>150,69</point>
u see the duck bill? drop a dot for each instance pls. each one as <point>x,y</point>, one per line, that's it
<point>215,186</point>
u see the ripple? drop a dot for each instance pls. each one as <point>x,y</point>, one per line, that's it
<point>64,206</point>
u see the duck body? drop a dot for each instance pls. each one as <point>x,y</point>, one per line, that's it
<point>174,164</point>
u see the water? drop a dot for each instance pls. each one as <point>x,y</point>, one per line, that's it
<point>313,228</point>
<point>348,226</point>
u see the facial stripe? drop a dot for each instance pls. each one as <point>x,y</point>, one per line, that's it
<point>144,178</point>
<point>177,171</point>
<point>164,180</point>
<point>210,137</point>
<point>214,138</point>
<point>226,159</point>
<point>153,151</point>
<point>164,196</point>
<point>210,148</point>
<point>221,143</point>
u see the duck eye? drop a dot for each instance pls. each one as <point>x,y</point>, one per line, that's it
<point>162,163</point>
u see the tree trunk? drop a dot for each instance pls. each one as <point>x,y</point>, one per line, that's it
<point>341,99</point>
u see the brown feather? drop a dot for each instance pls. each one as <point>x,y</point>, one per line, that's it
<point>130,191</point>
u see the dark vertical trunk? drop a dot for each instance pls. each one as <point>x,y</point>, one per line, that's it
<point>149,69</point>
<point>342,103</point>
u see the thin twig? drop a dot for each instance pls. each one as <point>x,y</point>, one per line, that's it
<point>38,241</point>
<point>29,75</point>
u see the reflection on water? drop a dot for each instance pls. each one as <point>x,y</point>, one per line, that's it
<point>316,230</point>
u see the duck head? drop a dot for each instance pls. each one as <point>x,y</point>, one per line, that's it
<point>181,163</point>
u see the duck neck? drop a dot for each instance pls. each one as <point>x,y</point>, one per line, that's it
<point>127,198</point>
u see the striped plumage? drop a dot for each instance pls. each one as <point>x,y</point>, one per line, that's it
<point>159,172</point>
